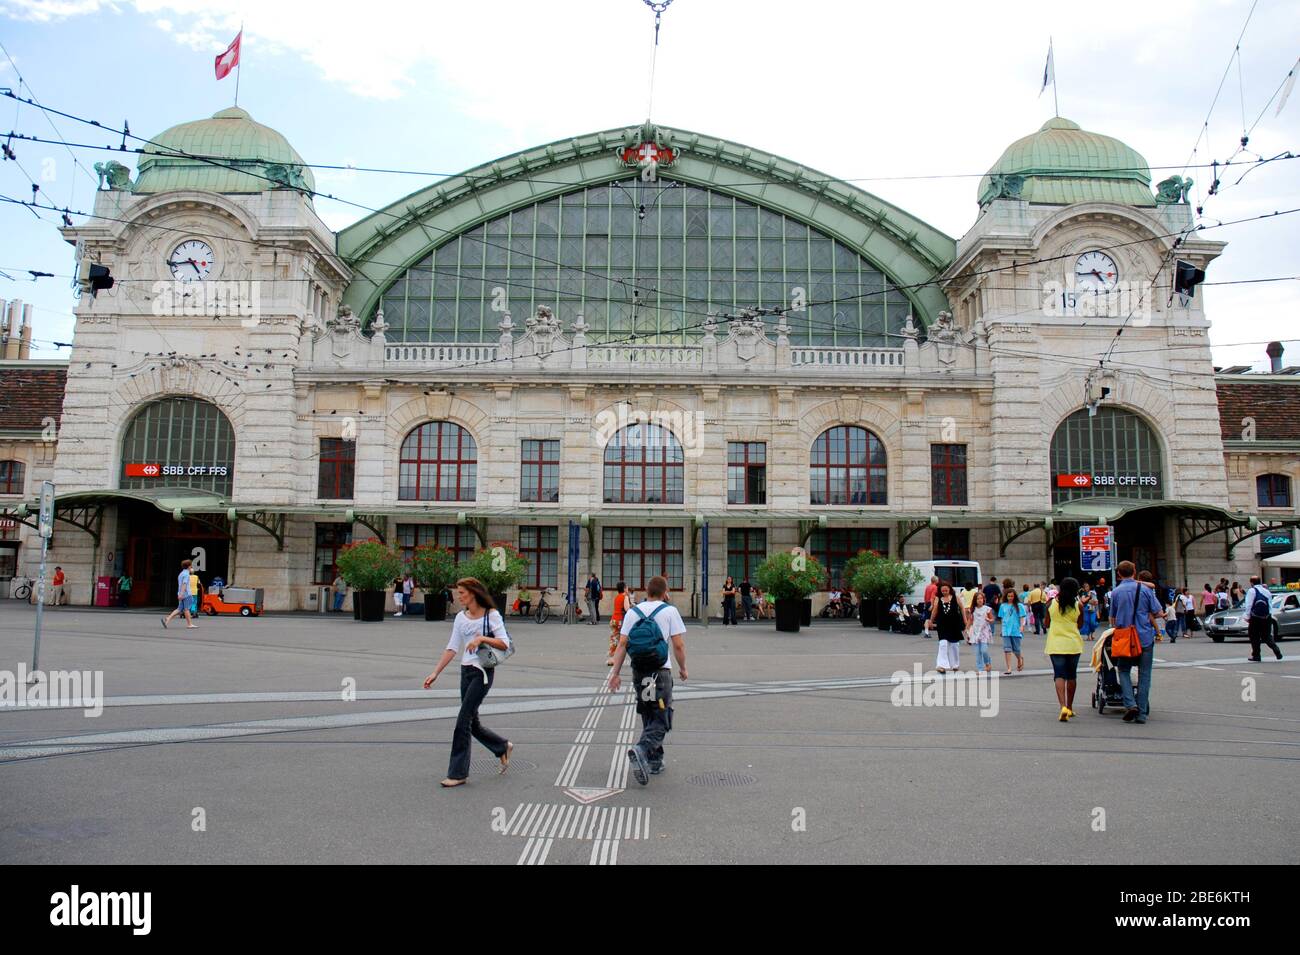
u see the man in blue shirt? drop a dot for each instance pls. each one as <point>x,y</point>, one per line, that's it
<point>1134,605</point>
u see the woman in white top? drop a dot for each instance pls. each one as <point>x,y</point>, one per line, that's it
<point>479,623</point>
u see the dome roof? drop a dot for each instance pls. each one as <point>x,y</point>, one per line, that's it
<point>1061,164</point>
<point>237,143</point>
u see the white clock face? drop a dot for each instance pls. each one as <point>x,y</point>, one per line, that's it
<point>1096,272</point>
<point>192,261</point>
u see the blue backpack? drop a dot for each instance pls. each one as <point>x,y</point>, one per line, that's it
<point>1260,606</point>
<point>645,641</point>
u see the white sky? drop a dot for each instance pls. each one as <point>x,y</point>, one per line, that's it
<point>860,91</point>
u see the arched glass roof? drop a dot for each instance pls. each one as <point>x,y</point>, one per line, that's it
<point>650,259</point>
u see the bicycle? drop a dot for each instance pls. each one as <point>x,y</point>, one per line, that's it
<point>543,611</point>
<point>21,592</point>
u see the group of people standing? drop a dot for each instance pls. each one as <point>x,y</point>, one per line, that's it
<point>1065,613</point>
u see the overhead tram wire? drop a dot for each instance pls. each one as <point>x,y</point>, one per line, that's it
<point>538,180</point>
<point>890,286</point>
<point>125,133</point>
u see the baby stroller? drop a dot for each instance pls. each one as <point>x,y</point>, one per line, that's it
<point>1108,692</point>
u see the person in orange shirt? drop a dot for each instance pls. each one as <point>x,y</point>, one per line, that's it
<point>616,621</point>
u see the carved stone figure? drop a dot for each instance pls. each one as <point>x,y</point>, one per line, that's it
<point>286,176</point>
<point>115,174</point>
<point>1173,191</point>
<point>1007,186</point>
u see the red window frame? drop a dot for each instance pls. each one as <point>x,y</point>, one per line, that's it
<point>845,542</point>
<point>1273,490</point>
<point>535,551</point>
<point>547,452</point>
<point>12,476</point>
<point>337,473</point>
<point>427,439</point>
<point>342,536</point>
<point>614,563</point>
<point>945,472</point>
<point>463,542</point>
<point>950,543</point>
<point>751,552</point>
<point>824,462</point>
<point>623,456</point>
<point>743,465</point>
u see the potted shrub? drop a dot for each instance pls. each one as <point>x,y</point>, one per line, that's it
<point>434,570</point>
<point>369,566</point>
<point>497,567</point>
<point>881,579</point>
<point>789,587</point>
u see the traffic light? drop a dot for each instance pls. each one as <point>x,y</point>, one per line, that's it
<point>1187,277</point>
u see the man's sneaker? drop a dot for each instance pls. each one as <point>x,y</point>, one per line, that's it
<point>656,767</point>
<point>1130,714</point>
<point>640,765</point>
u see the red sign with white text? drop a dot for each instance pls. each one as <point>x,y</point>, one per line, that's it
<point>143,470</point>
<point>1074,480</point>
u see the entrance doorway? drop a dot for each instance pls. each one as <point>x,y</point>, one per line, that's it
<point>156,545</point>
<point>1139,537</point>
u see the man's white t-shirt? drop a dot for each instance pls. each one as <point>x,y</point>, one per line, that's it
<point>669,621</point>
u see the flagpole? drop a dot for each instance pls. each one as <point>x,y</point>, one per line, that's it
<point>239,65</point>
<point>1055,103</point>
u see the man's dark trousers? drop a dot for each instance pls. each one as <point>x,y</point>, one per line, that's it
<point>654,701</point>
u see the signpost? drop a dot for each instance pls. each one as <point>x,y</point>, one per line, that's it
<point>45,527</point>
<point>704,574</point>
<point>1097,550</point>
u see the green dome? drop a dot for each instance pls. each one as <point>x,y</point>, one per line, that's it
<point>1062,164</point>
<point>235,140</point>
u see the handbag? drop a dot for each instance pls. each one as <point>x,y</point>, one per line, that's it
<point>490,657</point>
<point>1125,643</point>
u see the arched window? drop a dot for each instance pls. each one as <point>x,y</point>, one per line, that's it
<point>1273,490</point>
<point>439,462</point>
<point>179,442</point>
<point>643,465</point>
<point>1113,453</point>
<point>11,477</point>
<point>848,466</point>
<point>695,248</point>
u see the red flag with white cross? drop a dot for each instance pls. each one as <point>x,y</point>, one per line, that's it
<point>230,59</point>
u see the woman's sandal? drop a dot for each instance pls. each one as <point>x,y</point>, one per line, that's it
<point>505,758</point>
<point>450,783</point>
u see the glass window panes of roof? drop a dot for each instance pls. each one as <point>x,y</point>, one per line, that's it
<point>695,250</point>
<point>186,434</point>
<point>1115,448</point>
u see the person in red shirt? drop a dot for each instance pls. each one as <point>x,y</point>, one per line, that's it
<point>616,621</point>
<point>56,586</point>
<point>931,591</point>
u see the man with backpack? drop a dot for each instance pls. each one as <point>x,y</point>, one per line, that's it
<point>1259,604</point>
<point>648,629</point>
<point>593,590</point>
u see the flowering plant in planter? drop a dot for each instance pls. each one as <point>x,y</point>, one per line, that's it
<point>497,567</point>
<point>875,577</point>
<point>369,565</point>
<point>781,579</point>
<point>433,568</point>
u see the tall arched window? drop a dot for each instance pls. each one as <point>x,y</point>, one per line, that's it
<point>643,465</point>
<point>1273,490</point>
<point>1113,453</point>
<point>848,466</point>
<point>439,462</point>
<point>11,477</point>
<point>179,442</point>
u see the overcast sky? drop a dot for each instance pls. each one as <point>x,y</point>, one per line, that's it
<point>866,92</point>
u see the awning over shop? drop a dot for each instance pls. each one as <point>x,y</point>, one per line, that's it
<point>1289,560</point>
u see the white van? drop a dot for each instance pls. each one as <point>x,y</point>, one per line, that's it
<point>962,574</point>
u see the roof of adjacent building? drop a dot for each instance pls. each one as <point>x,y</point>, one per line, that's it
<point>31,392</point>
<point>1061,164</point>
<point>1271,403</point>
<point>238,156</point>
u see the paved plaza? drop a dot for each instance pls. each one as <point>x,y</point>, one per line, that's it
<point>787,748</point>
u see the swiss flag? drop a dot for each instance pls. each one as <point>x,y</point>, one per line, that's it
<point>230,59</point>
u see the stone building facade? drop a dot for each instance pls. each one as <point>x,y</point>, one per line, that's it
<point>661,337</point>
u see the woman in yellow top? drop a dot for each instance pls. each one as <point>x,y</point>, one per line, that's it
<point>1064,644</point>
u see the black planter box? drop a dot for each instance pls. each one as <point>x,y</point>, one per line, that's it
<point>372,603</point>
<point>805,612</point>
<point>788,614</point>
<point>435,608</point>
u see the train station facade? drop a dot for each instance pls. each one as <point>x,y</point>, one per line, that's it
<point>675,342</point>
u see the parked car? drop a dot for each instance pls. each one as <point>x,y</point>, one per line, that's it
<point>1285,611</point>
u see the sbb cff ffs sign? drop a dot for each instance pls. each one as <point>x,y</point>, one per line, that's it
<point>1107,480</point>
<point>175,470</point>
<point>1074,480</point>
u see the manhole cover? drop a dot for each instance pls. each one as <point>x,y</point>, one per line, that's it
<point>487,765</point>
<point>721,780</point>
